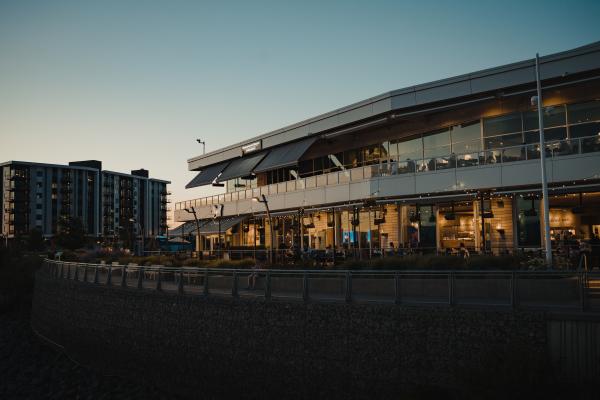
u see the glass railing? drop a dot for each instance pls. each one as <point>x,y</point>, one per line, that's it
<point>504,155</point>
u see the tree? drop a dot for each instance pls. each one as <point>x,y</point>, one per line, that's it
<point>35,240</point>
<point>71,234</point>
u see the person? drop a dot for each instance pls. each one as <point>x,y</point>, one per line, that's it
<point>392,250</point>
<point>253,276</point>
<point>464,252</point>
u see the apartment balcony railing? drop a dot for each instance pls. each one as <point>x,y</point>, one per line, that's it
<point>503,155</point>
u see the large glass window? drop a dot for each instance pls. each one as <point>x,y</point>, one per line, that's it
<point>502,125</point>
<point>410,149</point>
<point>583,130</point>
<point>553,116</point>
<point>466,138</point>
<point>528,222</point>
<point>584,112</point>
<point>437,144</point>
<point>352,158</point>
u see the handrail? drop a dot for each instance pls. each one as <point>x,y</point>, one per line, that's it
<point>526,152</point>
<point>409,286</point>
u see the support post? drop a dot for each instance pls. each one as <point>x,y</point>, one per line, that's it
<point>140,282</point>
<point>124,276</point>
<point>76,274</point>
<point>268,285</point>
<point>451,288</point>
<point>348,287</point>
<point>158,280</point>
<point>397,293</point>
<point>109,276</point>
<point>85,272</point>
<point>96,275</point>
<point>234,284</point>
<point>305,295</point>
<point>206,281</point>
<point>180,285</point>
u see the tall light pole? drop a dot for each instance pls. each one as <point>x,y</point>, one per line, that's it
<point>203,143</point>
<point>266,203</point>
<point>193,211</point>
<point>545,202</point>
<point>141,232</point>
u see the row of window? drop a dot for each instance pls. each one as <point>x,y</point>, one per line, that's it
<point>560,122</point>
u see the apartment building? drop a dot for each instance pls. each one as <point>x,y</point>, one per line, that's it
<point>37,196</point>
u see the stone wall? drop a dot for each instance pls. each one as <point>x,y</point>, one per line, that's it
<point>220,347</point>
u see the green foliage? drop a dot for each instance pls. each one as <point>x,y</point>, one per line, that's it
<point>71,234</point>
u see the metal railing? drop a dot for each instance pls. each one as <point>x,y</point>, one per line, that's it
<point>569,290</point>
<point>588,144</point>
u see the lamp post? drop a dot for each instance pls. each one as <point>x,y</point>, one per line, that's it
<point>193,211</point>
<point>266,203</point>
<point>141,232</point>
<point>537,100</point>
<point>203,143</point>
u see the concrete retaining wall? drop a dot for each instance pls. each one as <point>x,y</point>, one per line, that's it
<point>217,346</point>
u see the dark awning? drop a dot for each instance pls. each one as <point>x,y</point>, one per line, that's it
<point>285,156</point>
<point>241,167</point>
<point>211,226</point>
<point>207,175</point>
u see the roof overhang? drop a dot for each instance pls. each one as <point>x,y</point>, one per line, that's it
<point>460,88</point>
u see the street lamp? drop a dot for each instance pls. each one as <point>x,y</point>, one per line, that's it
<point>266,203</point>
<point>193,211</point>
<point>133,220</point>
<point>203,143</point>
<point>537,100</point>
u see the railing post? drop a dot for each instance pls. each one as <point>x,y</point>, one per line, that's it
<point>268,285</point>
<point>305,295</point>
<point>206,281</point>
<point>69,271</point>
<point>514,300</point>
<point>124,276</point>
<point>180,286</point>
<point>451,288</point>
<point>158,280</point>
<point>140,282</point>
<point>109,276</point>
<point>582,290</point>
<point>348,287</point>
<point>96,275</point>
<point>234,284</point>
<point>85,273</point>
<point>397,294</point>
<point>76,274</point>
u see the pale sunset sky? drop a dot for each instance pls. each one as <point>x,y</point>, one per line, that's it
<point>134,83</point>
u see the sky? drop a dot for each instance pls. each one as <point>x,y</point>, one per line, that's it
<point>134,83</point>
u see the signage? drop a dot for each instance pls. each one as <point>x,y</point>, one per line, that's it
<point>249,148</point>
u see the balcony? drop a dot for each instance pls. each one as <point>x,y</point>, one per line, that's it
<point>567,160</point>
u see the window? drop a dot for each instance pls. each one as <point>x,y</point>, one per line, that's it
<point>437,144</point>
<point>411,149</point>
<point>504,141</point>
<point>504,124</point>
<point>528,222</point>
<point>466,138</point>
<point>584,112</point>
<point>583,130</point>
<point>550,135</point>
<point>352,158</point>
<point>553,116</point>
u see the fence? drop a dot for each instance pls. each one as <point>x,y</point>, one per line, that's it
<point>547,289</point>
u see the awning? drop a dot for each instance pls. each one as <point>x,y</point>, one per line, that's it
<point>183,229</point>
<point>241,166</point>
<point>207,175</point>
<point>211,226</point>
<point>285,156</point>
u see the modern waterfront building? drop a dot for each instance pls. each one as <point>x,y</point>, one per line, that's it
<point>37,196</point>
<point>435,166</point>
